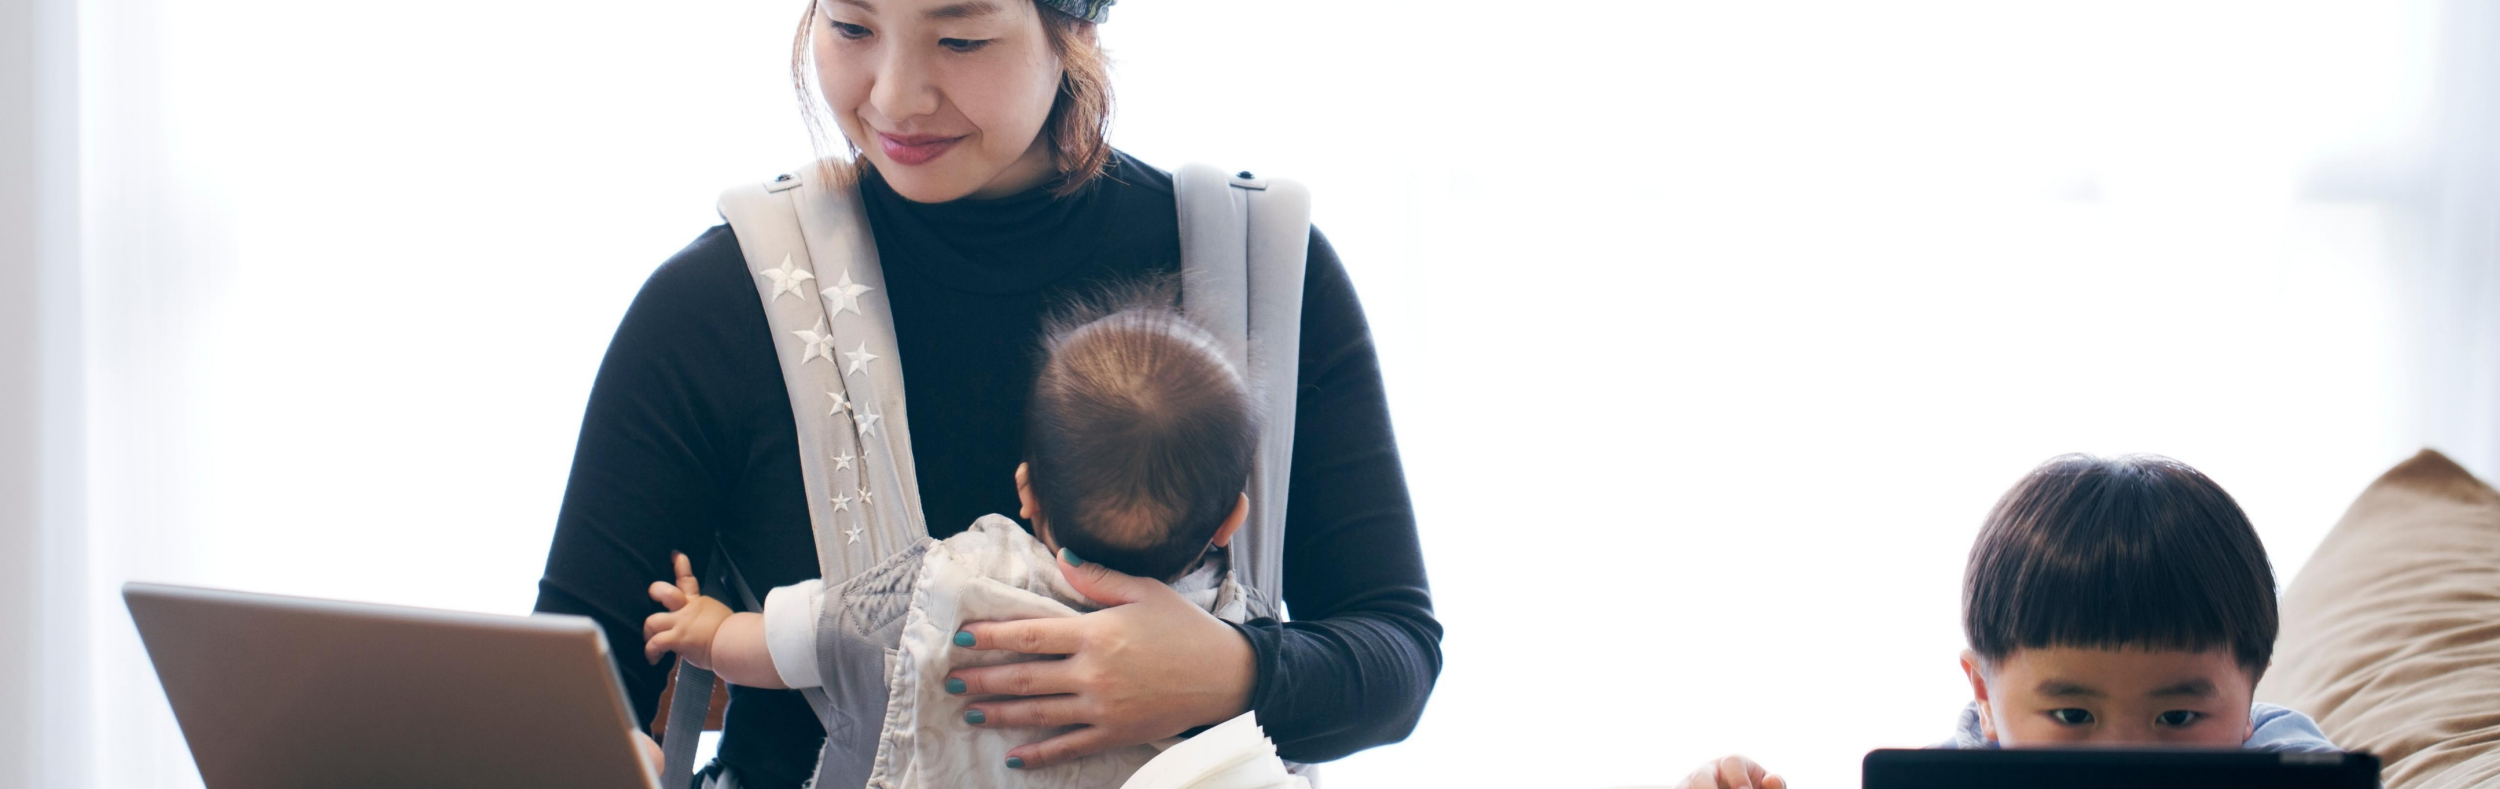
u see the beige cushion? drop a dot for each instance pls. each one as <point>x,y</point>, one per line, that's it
<point>2391,634</point>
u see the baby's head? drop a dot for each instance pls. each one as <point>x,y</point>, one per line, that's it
<point>2120,601</point>
<point>1138,442</point>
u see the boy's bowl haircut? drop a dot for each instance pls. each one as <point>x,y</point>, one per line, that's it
<point>2135,551</point>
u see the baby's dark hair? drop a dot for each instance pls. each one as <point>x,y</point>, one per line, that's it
<point>2137,551</point>
<point>1140,436</point>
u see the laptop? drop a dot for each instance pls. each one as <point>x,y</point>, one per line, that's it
<point>2080,768</point>
<point>290,692</point>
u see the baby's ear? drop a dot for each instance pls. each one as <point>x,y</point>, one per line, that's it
<point>1024,495</point>
<point>1232,523</point>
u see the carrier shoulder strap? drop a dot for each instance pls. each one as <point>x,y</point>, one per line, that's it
<point>814,264</point>
<point>1244,244</point>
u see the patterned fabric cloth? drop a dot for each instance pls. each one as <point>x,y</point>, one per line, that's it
<point>1088,10</point>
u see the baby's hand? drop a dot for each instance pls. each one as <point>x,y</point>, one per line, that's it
<point>690,622</point>
<point>1734,772</point>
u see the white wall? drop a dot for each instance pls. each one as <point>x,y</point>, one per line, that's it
<point>1711,329</point>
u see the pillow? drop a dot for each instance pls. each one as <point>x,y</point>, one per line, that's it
<point>2391,634</point>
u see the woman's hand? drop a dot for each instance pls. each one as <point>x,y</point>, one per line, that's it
<point>689,625</point>
<point>1734,772</point>
<point>1149,667</point>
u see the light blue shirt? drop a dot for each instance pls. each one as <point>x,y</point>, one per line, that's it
<point>2277,729</point>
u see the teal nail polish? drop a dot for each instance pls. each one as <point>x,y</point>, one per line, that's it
<point>1071,558</point>
<point>974,717</point>
<point>954,686</point>
<point>963,638</point>
<point>1015,762</point>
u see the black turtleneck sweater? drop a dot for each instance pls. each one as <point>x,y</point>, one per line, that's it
<point>688,439</point>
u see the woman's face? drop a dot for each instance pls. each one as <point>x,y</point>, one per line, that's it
<point>946,97</point>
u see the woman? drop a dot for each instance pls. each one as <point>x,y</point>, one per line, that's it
<point>992,194</point>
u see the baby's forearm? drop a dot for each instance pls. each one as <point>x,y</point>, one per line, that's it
<point>739,654</point>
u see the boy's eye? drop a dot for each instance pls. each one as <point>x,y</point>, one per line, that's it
<point>964,44</point>
<point>2071,716</point>
<point>2177,719</point>
<point>850,31</point>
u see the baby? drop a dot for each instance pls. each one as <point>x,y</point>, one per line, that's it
<point>1139,441</point>
<point>2111,602</point>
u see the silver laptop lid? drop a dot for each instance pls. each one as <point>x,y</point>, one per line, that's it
<point>276,691</point>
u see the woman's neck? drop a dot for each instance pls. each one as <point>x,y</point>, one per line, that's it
<point>1027,172</point>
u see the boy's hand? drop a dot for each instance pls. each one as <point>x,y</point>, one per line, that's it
<point>1734,772</point>
<point>691,621</point>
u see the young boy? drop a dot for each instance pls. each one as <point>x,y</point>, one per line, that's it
<point>1139,441</point>
<point>2111,601</point>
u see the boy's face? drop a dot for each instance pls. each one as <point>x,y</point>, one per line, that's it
<point>2061,696</point>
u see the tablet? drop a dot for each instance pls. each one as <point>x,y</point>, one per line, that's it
<point>2075,768</point>
<point>295,692</point>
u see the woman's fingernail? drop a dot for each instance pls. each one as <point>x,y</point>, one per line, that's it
<point>1015,762</point>
<point>963,638</point>
<point>954,686</point>
<point>1071,558</point>
<point>974,717</point>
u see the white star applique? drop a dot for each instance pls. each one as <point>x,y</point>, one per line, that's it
<point>853,534</point>
<point>845,294</point>
<point>839,402</point>
<point>859,358</point>
<point>840,503</point>
<point>788,278</point>
<point>867,421</point>
<point>867,498</point>
<point>842,462</point>
<point>819,343</point>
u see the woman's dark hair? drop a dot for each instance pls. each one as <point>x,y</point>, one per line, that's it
<point>1139,438</point>
<point>1079,126</point>
<point>2137,551</point>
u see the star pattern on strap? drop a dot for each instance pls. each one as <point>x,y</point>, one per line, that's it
<point>845,295</point>
<point>859,358</point>
<point>788,278</point>
<point>819,343</point>
<point>842,296</point>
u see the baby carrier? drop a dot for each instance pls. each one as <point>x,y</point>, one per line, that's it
<point>807,243</point>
